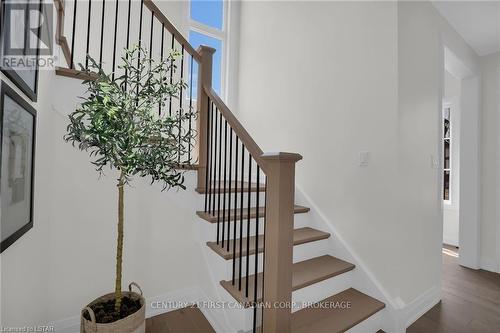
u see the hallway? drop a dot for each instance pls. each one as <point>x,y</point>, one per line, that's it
<point>470,303</point>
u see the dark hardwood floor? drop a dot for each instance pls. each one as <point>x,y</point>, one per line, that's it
<point>470,303</point>
<point>187,320</point>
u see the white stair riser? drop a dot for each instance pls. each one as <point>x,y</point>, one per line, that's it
<point>243,318</point>
<point>369,325</point>
<point>321,290</point>
<point>300,253</point>
<point>237,200</point>
<point>300,221</point>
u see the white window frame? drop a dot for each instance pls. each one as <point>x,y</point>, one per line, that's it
<point>450,169</point>
<point>221,35</point>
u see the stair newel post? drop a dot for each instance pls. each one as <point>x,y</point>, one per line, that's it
<point>278,255</point>
<point>204,80</point>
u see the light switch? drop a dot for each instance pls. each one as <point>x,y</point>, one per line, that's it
<point>434,162</point>
<point>364,157</point>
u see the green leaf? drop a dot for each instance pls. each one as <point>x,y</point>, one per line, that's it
<point>121,128</point>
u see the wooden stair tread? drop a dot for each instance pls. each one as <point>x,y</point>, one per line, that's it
<point>212,218</point>
<point>304,273</point>
<point>189,319</point>
<point>185,166</point>
<point>300,236</point>
<point>235,186</point>
<point>74,73</point>
<point>331,319</point>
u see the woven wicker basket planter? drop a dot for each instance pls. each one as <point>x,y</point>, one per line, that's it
<point>134,323</point>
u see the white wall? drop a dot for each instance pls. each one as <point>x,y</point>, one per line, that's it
<point>462,61</point>
<point>328,90</point>
<point>24,265</point>
<point>420,75</point>
<point>83,227</point>
<point>344,77</point>
<point>452,98</point>
<point>490,209</point>
<point>67,259</point>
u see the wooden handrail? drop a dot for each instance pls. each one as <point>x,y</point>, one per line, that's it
<point>62,41</point>
<point>172,29</point>
<point>238,128</point>
<point>279,169</point>
<point>60,38</point>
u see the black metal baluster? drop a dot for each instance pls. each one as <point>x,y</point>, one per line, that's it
<point>225,182</point>
<point>229,191</point>
<point>214,178</point>
<point>139,50</point>
<point>102,32</point>
<point>180,102</point>
<point>161,59</point>
<point>248,219</point>
<point>217,147</point>
<point>210,165</point>
<point>264,217</point>
<point>235,207</point>
<point>114,40</point>
<point>171,76</point>
<point>162,40</point>
<point>151,35</point>
<point>219,175</point>
<point>151,39</point>
<point>241,210</point>
<point>88,35</point>
<point>255,294</point>
<point>209,160</point>
<point>72,65</point>
<point>140,27</point>
<point>190,107</point>
<point>128,39</point>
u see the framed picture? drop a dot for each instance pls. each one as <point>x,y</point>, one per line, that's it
<point>20,44</point>
<point>17,153</point>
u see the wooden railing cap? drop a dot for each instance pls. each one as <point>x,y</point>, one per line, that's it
<point>282,156</point>
<point>59,4</point>
<point>205,48</point>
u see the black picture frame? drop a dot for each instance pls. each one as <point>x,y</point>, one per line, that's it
<point>10,73</point>
<point>6,90</point>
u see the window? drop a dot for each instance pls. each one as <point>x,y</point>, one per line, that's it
<point>446,152</point>
<point>208,27</point>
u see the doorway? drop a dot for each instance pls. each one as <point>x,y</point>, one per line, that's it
<point>451,159</point>
<point>461,168</point>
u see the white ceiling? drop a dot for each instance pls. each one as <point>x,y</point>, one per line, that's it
<point>478,22</point>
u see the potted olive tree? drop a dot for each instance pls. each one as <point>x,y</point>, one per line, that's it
<point>119,125</point>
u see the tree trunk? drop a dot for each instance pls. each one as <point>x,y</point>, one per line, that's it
<point>119,246</point>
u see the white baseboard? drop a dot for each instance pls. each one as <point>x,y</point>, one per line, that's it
<point>355,258</point>
<point>419,306</point>
<point>489,264</point>
<point>66,325</point>
<point>155,306</point>
<point>171,301</point>
<point>218,324</point>
<point>450,241</point>
<point>398,315</point>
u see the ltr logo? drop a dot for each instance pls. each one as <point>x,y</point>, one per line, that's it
<point>26,28</point>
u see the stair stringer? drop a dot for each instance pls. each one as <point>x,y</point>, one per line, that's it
<point>240,320</point>
<point>236,318</point>
<point>390,319</point>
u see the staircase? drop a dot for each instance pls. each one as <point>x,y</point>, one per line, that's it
<point>249,200</point>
